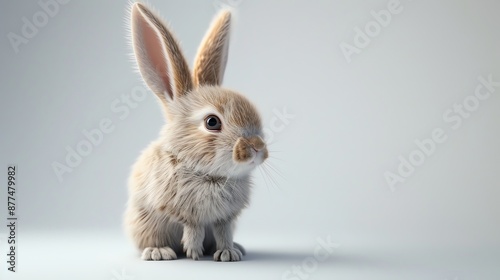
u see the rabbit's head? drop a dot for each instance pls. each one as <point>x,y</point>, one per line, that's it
<point>209,129</point>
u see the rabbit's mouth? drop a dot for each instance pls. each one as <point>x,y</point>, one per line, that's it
<point>259,157</point>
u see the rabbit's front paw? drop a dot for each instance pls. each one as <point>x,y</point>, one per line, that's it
<point>157,254</point>
<point>194,253</point>
<point>228,255</point>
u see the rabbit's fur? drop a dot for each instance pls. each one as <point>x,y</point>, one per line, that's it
<point>189,186</point>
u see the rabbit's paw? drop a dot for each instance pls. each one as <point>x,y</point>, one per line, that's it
<point>228,255</point>
<point>194,253</point>
<point>157,254</point>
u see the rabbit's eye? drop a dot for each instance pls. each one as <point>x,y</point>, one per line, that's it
<point>213,123</point>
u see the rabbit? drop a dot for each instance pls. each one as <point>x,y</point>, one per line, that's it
<point>188,187</point>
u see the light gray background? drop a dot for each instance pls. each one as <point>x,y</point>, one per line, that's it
<point>351,122</point>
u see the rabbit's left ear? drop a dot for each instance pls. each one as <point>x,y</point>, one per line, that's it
<point>211,59</point>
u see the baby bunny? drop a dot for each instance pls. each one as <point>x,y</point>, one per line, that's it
<point>188,187</point>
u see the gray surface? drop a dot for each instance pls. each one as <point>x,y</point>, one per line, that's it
<point>351,122</point>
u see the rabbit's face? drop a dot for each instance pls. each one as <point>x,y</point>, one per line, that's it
<point>217,131</point>
<point>210,129</point>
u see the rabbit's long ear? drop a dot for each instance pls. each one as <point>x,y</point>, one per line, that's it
<point>160,60</point>
<point>211,59</point>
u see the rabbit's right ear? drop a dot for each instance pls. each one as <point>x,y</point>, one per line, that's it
<point>160,60</point>
<point>211,59</point>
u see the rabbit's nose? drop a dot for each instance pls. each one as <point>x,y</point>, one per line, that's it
<point>257,143</point>
<point>243,148</point>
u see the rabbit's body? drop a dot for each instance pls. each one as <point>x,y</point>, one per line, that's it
<point>189,186</point>
<point>166,194</point>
